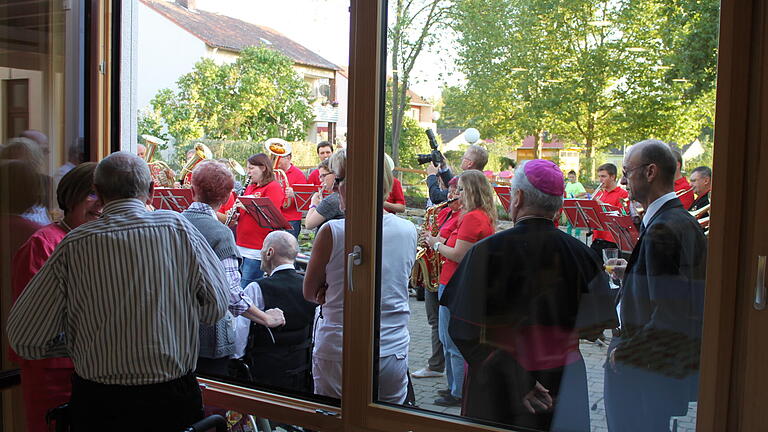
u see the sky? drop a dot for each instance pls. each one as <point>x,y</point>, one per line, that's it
<point>323,27</point>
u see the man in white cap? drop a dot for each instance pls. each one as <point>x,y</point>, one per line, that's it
<point>519,303</point>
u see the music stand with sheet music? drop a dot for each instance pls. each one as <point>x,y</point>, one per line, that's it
<point>266,214</point>
<point>621,227</point>
<point>303,195</point>
<point>583,213</point>
<point>176,199</point>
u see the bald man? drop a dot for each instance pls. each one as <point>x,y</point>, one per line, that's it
<point>281,358</point>
<point>141,151</point>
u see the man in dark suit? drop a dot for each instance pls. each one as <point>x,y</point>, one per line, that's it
<point>653,361</point>
<point>281,358</point>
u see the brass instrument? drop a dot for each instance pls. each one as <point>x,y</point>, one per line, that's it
<point>235,167</point>
<point>428,264</point>
<point>597,189</point>
<point>682,192</point>
<point>278,148</point>
<point>202,152</point>
<point>162,174</point>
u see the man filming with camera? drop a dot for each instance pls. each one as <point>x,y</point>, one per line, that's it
<point>474,158</point>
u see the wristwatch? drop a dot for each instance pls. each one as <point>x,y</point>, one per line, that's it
<point>436,246</point>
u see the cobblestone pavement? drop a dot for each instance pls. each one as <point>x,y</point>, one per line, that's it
<point>594,356</point>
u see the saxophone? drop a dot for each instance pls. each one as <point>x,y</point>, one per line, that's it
<point>428,264</point>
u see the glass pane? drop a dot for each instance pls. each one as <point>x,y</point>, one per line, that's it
<point>262,88</point>
<point>563,288</point>
<point>41,69</point>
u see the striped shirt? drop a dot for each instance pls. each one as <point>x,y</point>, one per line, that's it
<point>123,296</point>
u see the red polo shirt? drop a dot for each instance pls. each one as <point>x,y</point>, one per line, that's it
<point>396,194</point>
<point>615,198</point>
<point>295,176</point>
<point>687,199</point>
<point>314,177</point>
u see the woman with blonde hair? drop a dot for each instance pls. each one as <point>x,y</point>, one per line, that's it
<point>476,222</point>
<point>324,284</point>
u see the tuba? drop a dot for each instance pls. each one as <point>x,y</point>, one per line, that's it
<point>162,174</point>
<point>277,149</point>
<point>428,264</point>
<point>202,152</point>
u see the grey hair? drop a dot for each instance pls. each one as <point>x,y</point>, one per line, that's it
<point>534,198</point>
<point>479,156</point>
<point>338,162</point>
<point>122,175</point>
<point>285,245</point>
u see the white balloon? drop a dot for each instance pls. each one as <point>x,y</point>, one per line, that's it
<point>471,135</point>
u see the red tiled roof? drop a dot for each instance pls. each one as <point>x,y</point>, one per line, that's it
<point>221,31</point>
<point>529,140</point>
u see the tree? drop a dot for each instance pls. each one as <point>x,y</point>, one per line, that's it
<point>411,31</point>
<point>411,141</point>
<point>256,97</point>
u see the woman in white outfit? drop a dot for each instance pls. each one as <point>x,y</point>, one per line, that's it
<point>324,284</point>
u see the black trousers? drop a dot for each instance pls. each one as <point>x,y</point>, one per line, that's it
<point>168,406</point>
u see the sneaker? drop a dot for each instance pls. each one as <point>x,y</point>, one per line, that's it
<point>448,401</point>
<point>427,373</point>
<point>444,392</point>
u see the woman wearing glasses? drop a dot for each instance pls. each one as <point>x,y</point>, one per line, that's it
<point>476,222</point>
<point>250,235</point>
<point>324,284</point>
<point>324,209</point>
<point>46,383</point>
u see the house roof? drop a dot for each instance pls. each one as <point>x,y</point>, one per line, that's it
<point>529,140</point>
<point>448,134</point>
<point>225,32</point>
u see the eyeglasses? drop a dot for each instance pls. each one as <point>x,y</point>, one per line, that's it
<point>322,176</point>
<point>626,172</point>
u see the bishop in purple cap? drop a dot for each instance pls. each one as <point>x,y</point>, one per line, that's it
<point>519,302</point>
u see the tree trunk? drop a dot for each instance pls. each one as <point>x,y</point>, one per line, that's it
<point>590,143</point>
<point>537,144</point>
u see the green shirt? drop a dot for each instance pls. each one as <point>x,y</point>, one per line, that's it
<point>574,189</point>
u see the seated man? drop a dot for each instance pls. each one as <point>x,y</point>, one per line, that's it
<point>281,358</point>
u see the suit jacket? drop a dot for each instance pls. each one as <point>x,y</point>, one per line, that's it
<point>662,297</point>
<point>437,195</point>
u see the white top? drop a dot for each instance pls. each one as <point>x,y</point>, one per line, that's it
<point>249,253</point>
<point>398,255</point>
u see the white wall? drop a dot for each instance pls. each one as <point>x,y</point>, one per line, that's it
<point>342,95</point>
<point>165,51</point>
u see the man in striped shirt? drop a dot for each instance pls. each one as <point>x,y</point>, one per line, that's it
<point>123,296</point>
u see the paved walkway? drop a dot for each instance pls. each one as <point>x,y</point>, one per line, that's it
<point>594,356</point>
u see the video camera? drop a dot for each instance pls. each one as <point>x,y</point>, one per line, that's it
<point>434,156</point>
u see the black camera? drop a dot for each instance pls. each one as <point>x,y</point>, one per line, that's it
<point>434,156</point>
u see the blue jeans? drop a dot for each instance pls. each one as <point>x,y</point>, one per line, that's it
<point>250,270</point>
<point>454,362</point>
<point>296,230</point>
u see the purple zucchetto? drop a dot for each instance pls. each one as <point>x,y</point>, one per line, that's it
<point>545,176</point>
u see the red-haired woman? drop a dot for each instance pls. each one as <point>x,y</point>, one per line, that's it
<point>250,235</point>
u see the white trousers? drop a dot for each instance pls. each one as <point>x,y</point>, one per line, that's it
<point>393,378</point>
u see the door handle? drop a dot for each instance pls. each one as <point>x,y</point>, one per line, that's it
<point>760,289</point>
<point>354,258</point>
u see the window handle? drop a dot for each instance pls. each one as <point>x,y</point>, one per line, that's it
<point>354,258</point>
<point>760,294</point>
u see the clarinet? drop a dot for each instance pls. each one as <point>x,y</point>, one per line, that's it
<point>231,212</point>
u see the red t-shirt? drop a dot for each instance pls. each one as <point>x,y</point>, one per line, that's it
<point>396,194</point>
<point>249,233</point>
<point>450,224</point>
<point>228,205</point>
<point>295,176</point>
<point>26,263</point>
<point>614,198</point>
<point>314,177</point>
<point>471,227</point>
<point>687,199</point>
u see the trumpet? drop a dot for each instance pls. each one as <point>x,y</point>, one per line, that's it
<point>202,152</point>
<point>598,189</point>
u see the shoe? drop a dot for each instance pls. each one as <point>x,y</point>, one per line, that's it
<point>427,373</point>
<point>444,392</point>
<point>448,401</point>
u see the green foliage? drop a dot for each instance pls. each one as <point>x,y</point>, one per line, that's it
<point>413,139</point>
<point>258,96</point>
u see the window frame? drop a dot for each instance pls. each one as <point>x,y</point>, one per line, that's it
<point>367,53</point>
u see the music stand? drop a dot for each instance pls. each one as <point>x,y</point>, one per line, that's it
<point>266,214</point>
<point>505,196</point>
<point>303,195</point>
<point>583,213</point>
<point>176,199</point>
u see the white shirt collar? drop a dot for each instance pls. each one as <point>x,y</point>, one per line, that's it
<point>281,267</point>
<point>655,206</point>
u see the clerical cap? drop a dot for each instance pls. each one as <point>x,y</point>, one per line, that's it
<point>545,176</point>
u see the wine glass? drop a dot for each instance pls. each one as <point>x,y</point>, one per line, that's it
<point>610,258</point>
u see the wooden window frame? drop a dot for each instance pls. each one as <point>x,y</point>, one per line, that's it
<point>358,410</point>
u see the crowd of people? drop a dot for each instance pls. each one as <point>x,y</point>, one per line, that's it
<point>117,307</point>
